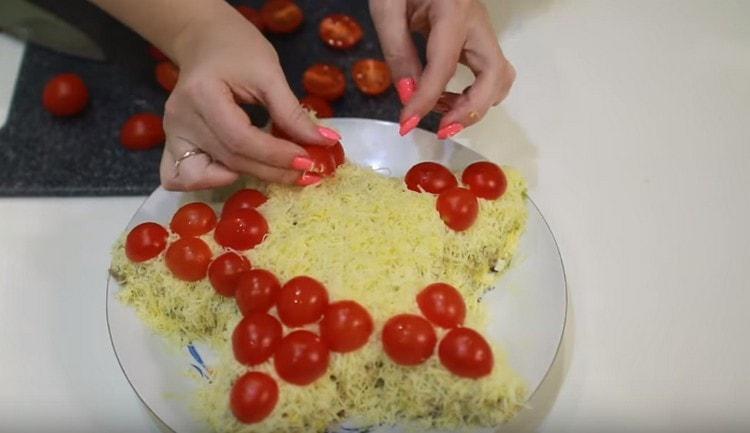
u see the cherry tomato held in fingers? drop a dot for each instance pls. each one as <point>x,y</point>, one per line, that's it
<point>193,219</point>
<point>326,81</point>
<point>241,230</point>
<point>247,198</point>
<point>301,358</point>
<point>408,339</point>
<point>281,16</point>
<point>65,95</point>
<point>458,208</point>
<point>485,180</point>
<point>324,159</point>
<point>255,338</point>
<point>188,259</point>
<point>253,397</point>
<point>371,76</point>
<point>251,15</point>
<point>338,153</point>
<point>142,131</point>
<point>167,75</point>
<point>257,291</point>
<point>224,272</point>
<point>442,305</point>
<point>346,326</point>
<point>465,353</point>
<point>430,177</point>
<point>145,242</point>
<point>301,301</point>
<point>320,106</point>
<point>340,31</point>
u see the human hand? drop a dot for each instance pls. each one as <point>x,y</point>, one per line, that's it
<point>457,31</point>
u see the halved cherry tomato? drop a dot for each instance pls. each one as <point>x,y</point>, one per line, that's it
<point>371,76</point>
<point>340,31</point>
<point>346,326</point>
<point>466,353</point>
<point>65,95</point>
<point>257,291</point>
<point>142,131</point>
<point>326,81</point>
<point>485,180</point>
<point>408,339</point>
<point>301,358</point>
<point>252,15</point>
<point>241,230</point>
<point>281,16</point>
<point>458,208</point>
<point>338,153</point>
<point>193,219</point>
<point>145,242</point>
<point>167,75</point>
<point>324,159</point>
<point>253,397</point>
<point>157,54</point>
<point>429,177</point>
<point>442,304</point>
<point>224,272</point>
<point>301,301</point>
<point>255,338</point>
<point>247,198</point>
<point>188,259</point>
<point>320,106</point>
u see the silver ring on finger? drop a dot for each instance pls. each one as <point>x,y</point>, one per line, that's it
<point>186,155</point>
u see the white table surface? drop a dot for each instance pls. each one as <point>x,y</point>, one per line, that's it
<point>631,120</point>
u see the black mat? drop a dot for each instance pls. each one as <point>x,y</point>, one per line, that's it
<point>45,156</point>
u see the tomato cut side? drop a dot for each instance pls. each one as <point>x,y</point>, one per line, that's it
<point>326,81</point>
<point>371,76</point>
<point>340,31</point>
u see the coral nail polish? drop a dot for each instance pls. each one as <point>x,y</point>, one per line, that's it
<point>408,125</point>
<point>308,179</point>
<point>406,88</point>
<point>329,133</point>
<point>302,163</point>
<point>450,130</point>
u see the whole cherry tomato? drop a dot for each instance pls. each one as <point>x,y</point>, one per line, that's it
<point>485,180</point>
<point>241,230</point>
<point>429,177</point>
<point>301,301</point>
<point>65,95</point>
<point>301,358</point>
<point>255,338</point>
<point>346,326</point>
<point>224,272</point>
<point>145,242</point>
<point>458,208</point>
<point>167,75</point>
<point>257,291</point>
<point>247,198</point>
<point>253,397</point>
<point>442,304</point>
<point>466,353</point>
<point>188,259</point>
<point>193,219</point>
<point>142,131</point>
<point>408,339</point>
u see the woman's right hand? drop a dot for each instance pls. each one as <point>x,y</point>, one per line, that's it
<point>224,60</point>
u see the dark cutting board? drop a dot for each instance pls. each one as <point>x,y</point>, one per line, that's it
<point>41,155</point>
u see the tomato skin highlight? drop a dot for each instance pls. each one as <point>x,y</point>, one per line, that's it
<point>257,291</point>
<point>325,81</point>
<point>253,397</point>
<point>142,131</point>
<point>409,339</point>
<point>255,338</point>
<point>485,179</point>
<point>281,16</point>
<point>145,241</point>
<point>224,272</point>
<point>346,326</point>
<point>340,31</point>
<point>188,259</point>
<point>193,219</point>
<point>301,358</point>
<point>458,208</point>
<point>65,95</point>
<point>430,177</point>
<point>301,301</point>
<point>167,74</point>
<point>241,230</point>
<point>243,199</point>
<point>465,353</point>
<point>442,305</point>
<point>372,77</point>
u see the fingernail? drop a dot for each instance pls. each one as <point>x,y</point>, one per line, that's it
<point>450,130</point>
<point>406,88</point>
<point>302,163</point>
<point>329,133</point>
<point>408,125</point>
<point>308,179</point>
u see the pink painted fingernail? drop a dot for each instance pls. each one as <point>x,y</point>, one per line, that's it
<point>302,163</point>
<point>450,130</point>
<point>308,179</point>
<point>408,125</point>
<point>406,88</point>
<point>329,133</point>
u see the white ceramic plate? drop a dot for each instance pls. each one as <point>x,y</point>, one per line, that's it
<point>528,305</point>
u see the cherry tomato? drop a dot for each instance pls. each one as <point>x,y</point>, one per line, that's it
<point>346,326</point>
<point>326,81</point>
<point>253,397</point>
<point>241,230</point>
<point>257,290</point>
<point>301,301</point>
<point>255,338</point>
<point>224,272</point>
<point>167,75</point>
<point>430,177</point>
<point>252,15</point>
<point>408,339</point>
<point>485,180</point>
<point>281,16</point>
<point>188,259</point>
<point>301,358</point>
<point>338,153</point>
<point>243,199</point>
<point>371,76</point>
<point>193,219</point>
<point>320,106</point>
<point>458,208</point>
<point>65,95</point>
<point>324,159</point>
<point>340,31</point>
<point>142,131</point>
<point>442,304</point>
<point>466,353</point>
<point>145,242</point>
<point>157,54</point>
